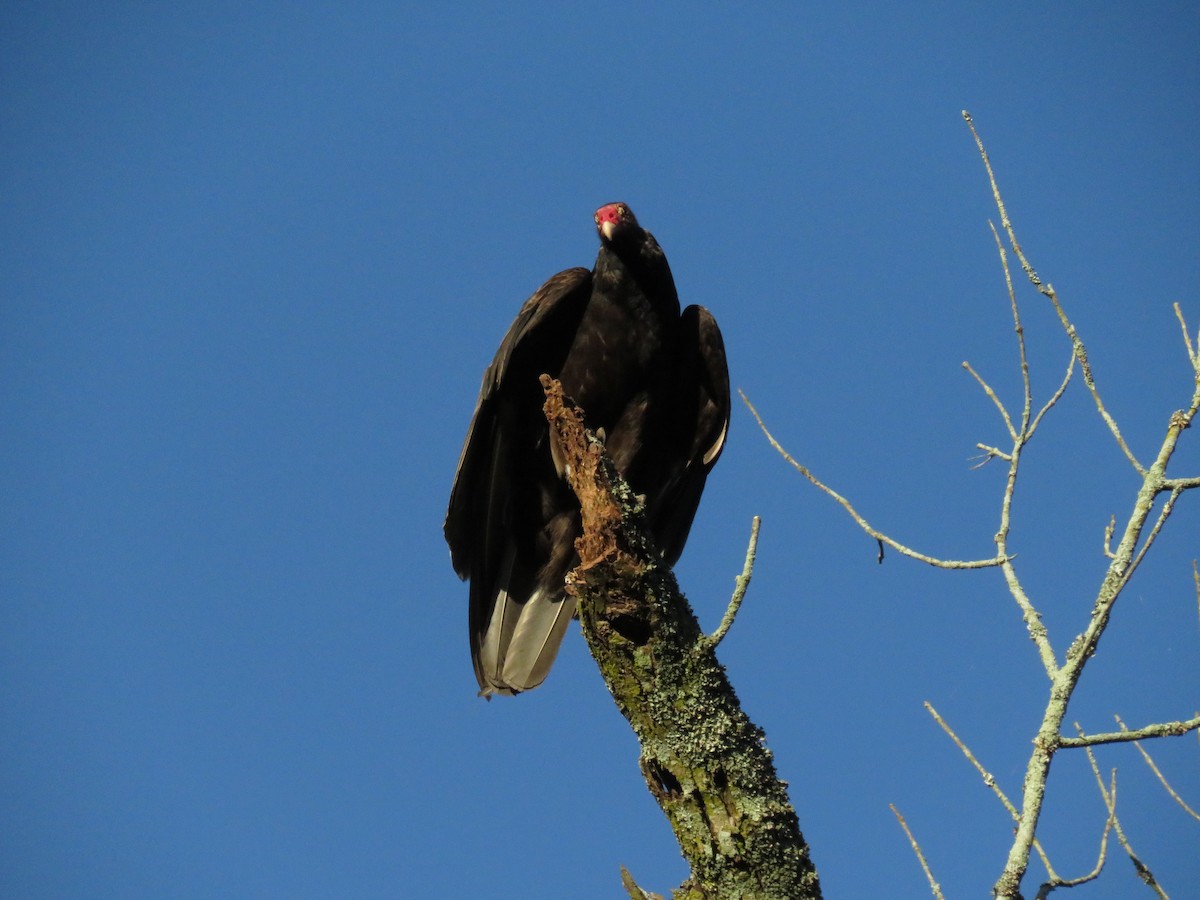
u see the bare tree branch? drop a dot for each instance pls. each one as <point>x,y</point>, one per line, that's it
<point>635,892</point>
<point>1163,729</point>
<point>1029,613</point>
<point>1196,581</point>
<point>1193,353</point>
<point>1133,543</point>
<point>1135,736</point>
<point>1182,484</point>
<point>704,761</point>
<point>991,453</point>
<point>1110,801</point>
<point>1048,291</point>
<point>989,780</point>
<point>1123,562</point>
<point>1057,395</point>
<point>862,523</point>
<point>740,583</point>
<point>987,389</point>
<point>933,885</point>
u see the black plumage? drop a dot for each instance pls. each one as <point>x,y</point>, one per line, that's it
<point>652,379</point>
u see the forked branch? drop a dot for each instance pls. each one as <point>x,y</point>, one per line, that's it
<point>1123,562</point>
<point>1110,802</point>
<point>1048,290</point>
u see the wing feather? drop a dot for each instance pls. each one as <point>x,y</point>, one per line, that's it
<point>700,424</point>
<point>496,510</point>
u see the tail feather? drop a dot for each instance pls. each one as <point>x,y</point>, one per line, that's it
<point>516,649</point>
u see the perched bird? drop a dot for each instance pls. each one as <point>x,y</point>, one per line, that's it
<point>653,381</point>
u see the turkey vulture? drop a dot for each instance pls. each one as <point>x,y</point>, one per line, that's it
<point>651,380</point>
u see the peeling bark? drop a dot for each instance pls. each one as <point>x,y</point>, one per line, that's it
<point>704,761</point>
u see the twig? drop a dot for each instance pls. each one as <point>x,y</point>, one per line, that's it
<point>1120,569</point>
<point>1109,823</point>
<point>740,583</point>
<point>1020,330</point>
<point>1193,354</point>
<point>1048,291</point>
<point>1153,768</point>
<point>1110,801</point>
<point>933,885</point>
<point>1108,533</point>
<point>987,389</point>
<point>1101,857</point>
<point>635,892</point>
<point>1027,427</point>
<point>988,778</point>
<point>990,781</point>
<point>1032,618</point>
<point>1196,581</point>
<point>1163,515</point>
<point>990,453</point>
<point>1053,399</point>
<point>862,523</point>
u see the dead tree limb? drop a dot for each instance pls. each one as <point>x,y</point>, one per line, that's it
<point>704,761</point>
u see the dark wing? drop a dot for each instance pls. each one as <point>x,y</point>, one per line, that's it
<point>700,422</point>
<point>496,523</point>
<point>559,302</point>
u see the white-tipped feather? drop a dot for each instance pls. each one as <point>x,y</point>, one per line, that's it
<point>715,450</point>
<point>535,640</point>
<point>492,647</point>
<point>522,639</point>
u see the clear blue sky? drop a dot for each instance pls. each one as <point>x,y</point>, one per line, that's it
<point>252,264</point>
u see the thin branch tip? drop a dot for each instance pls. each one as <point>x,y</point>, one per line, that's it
<point>933,885</point>
<point>740,584</point>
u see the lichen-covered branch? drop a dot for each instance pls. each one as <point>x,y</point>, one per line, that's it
<point>1161,729</point>
<point>740,584</point>
<point>704,761</point>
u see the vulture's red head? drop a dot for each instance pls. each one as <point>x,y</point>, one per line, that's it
<point>615,220</point>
